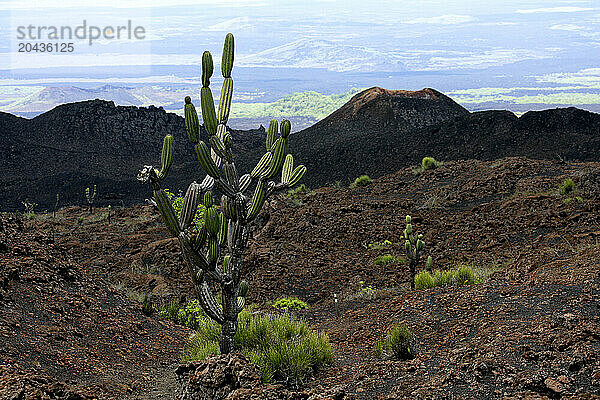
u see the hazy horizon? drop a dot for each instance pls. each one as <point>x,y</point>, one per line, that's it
<point>514,55</point>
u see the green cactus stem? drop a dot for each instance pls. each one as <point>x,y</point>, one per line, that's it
<point>192,125</point>
<point>414,246</point>
<point>208,110</point>
<point>207,68</point>
<point>225,100</point>
<point>227,58</point>
<point>272,133</point>
<point>90,196</point>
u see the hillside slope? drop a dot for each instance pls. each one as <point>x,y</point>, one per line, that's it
<point>94,142</point>
<point>531,331</point>
<point>65,334</point>
<point>378,131</point>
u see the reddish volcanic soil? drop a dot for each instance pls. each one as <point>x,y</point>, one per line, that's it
<point>531,330</point>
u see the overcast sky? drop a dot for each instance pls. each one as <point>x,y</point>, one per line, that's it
<point>339,36</point>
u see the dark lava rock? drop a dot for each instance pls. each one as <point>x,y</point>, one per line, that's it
<point>377,132</point>
<point>233,377</point>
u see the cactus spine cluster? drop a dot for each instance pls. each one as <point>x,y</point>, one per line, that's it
<point>414,246</point>
<point>224,236</point>
<point>90,196</point>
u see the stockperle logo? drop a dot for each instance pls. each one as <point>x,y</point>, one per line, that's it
<point>90,33</point>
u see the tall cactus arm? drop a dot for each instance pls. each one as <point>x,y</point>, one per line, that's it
<point>197,261</point>
<point>225,188</point>
<point>231,175</point>
<point>245,181</point>
<point>207,68</point>
<point>272,133</point>
<point>217,144</point>
<point>192,125</point>
<point>166,211</point>
<point>166,158</point>
<point>207,183</point>
<point>279,153</point>
<point>190,205</point>
<point>227,58</point>
<point>225,100</point>
<point>262,166</point>
<point>258,199</point>
<point>206,161</point>
<point>208,110</point>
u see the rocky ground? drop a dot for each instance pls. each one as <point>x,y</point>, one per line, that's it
<point>69,286</point>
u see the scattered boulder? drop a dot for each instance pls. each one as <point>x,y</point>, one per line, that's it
<point>16,384</point>
<point>234,377</point>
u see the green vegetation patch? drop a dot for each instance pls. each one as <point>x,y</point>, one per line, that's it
<point>287,304</point>
<point>300,104</point>
<point>283,347</point>
<point>399,342</point>
<point>362,180</point>
<point>388,259</point>
<point>463,275</point>
<point>428,163</point>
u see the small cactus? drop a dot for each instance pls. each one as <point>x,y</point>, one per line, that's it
<point>90,196</point>
<point>414,246</point>
<point>224,234</point>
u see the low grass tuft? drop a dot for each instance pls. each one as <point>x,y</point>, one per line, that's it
<point>362,180</point>
<point>424,280</point>
<point>567,187</point>
<point>428,163</point>
<point>283,347</point>
<point>399,341</point>
<point>463,275</point>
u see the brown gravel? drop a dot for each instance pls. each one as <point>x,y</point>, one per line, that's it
<point>531,331</point>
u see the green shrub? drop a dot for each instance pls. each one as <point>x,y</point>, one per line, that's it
<point>400,341</point>
<point>567,187</point>
<point>386,244</point>
<point>283,347</point>
<point>293,193</point>
<point>428,163</point>
<point>387,259</point>
<point>443,278</point>
<point>464,276</point>
<point>287,304</point>
<point>424,280</point>
<point>367,291</point>
<point>190,314</point>
<point>362,180</point>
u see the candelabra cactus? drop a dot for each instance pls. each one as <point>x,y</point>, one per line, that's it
<point>90,196</point>
<point>414,245</point>
<point>224,235</point>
